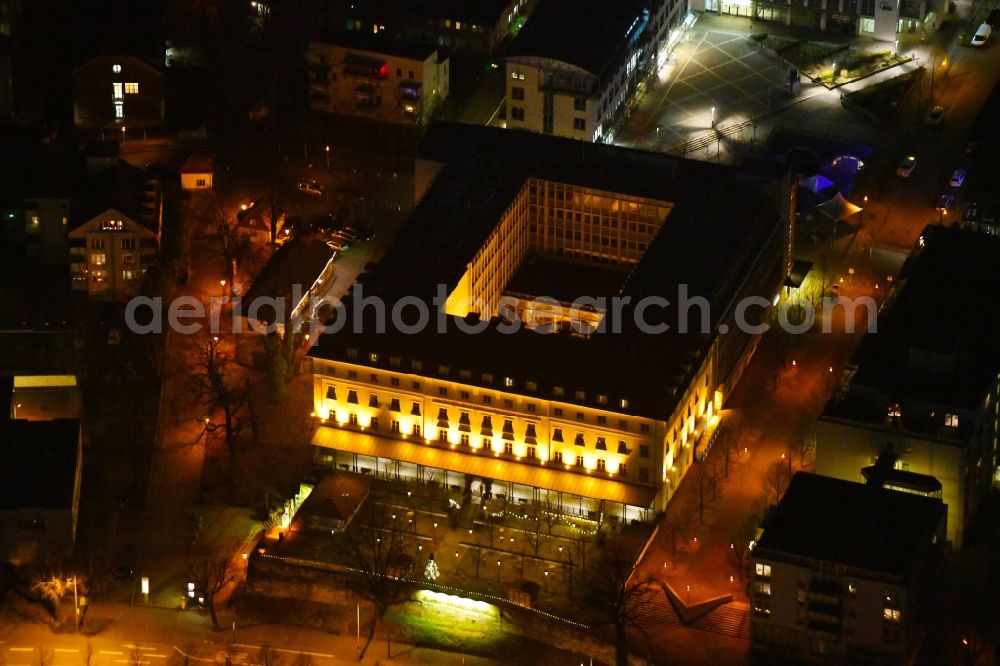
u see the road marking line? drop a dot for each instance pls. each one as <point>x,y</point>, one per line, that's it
<point>109,652</point>
<point>155,656</point>
<point>21,649</point>
<point>66,650</point>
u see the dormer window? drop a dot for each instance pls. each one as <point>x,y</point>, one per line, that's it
<point>373,357</point>
<point>508,381</point>
<point>352,353</point>
<point>951,420</point>
<point>893,411</point>
<point>602,399</point>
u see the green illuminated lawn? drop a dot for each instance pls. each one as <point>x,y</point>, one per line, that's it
<point>429,625</point>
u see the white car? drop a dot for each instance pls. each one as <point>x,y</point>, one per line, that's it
<point>982,35</point>
<point>907,166</point>
<point>957,178</point>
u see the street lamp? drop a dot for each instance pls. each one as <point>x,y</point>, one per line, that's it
<point>713,116</point>
<point>328,158</point>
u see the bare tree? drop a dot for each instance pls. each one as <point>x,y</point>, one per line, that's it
<point>210,575</point>
<point>620,599</point>
<point>703,487</point>
<point>549,513</point>
<point>217,388</point>
<point>274,205</point>
<point>806,443</point>
<point>379,549</point>
<point>729,439</point>
<point>680,520</point>
<point>776,479</point>
<point>279,354</point>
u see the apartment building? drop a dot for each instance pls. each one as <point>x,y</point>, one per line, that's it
<point>592,417</point>
<point>111,92</point>
<point>116,236</point>
<point>453,25</point>
<point>837,573</point>
<point>377,77</point>
<point>918,409</point>
<point>577,78</point>
<point>881,20</point>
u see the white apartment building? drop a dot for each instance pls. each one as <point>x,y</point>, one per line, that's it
<point>576,79</point>
<point>373,76</point>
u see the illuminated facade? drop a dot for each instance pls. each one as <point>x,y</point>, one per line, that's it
<point>592,421</point>
<point>375,77</point>
<point>575,80</point>
<point>112,92</point>
<point>110,255</point>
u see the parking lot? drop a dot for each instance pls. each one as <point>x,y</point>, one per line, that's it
<point>714,67</point>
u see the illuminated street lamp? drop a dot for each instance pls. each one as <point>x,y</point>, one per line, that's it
<point>328,158</point>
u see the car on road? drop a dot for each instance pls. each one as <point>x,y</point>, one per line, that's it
<point>935,116</point>
<point>957,178</point>
<point>982,35</point>
<point>335,246</point>
<point>310,187</point>
<point>945,202</point>
<point>907,166</point>
<point>123,572</point>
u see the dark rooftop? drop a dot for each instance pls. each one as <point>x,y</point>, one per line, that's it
<point>381,43</point>
<point>565,280</point>
<point>586,33</point>
<point>478,12</point>
<point>842,522</point>
<point>720,220</point>
<point>123,187</point>
<point>298,262</point>
<point>937,341</point>
<point>38,463</point>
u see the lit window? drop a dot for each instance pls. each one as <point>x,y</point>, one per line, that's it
<point>116,90</point>
<point>131,88</point>
<point>891,615</point>
<point>119,110</point>
<point>128,276</point>
<point>763,570</point>
<point>373,357</point>
<point>951,420</point>
<point>98,259</point>
<point>764,589</point>
<point>623,403</point>
<point>508,381</point>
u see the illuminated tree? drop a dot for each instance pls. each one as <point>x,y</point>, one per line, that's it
<point>431,571</point>
<point>52,589</point>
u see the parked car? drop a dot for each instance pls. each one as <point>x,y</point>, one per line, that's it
<point>957,178</point>
<point>907,166</point>
<point>935,116</point>
<point>335,246</point>
<point>945,202</point>
<point>310,187</point>
<point>982,35</point>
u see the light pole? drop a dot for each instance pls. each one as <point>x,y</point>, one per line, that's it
<point>328,158</point>
<point>713,116</point>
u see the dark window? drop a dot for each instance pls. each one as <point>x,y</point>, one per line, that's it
<point>394,405</point>
<point>643,450</point>
<point>352,397</point>
<point>517,92</point>
<point>579,104</point>
<point>644,474</point>
<point>373,401</point>
<point>516,113</point>
<point>602,444</point>
<point>579,124</point>
<point>331,393</point>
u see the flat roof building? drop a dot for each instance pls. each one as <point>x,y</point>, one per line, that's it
<point>576,78</point>
<point>836,572</point>
<point>602,413</point>
<point>917,408</point>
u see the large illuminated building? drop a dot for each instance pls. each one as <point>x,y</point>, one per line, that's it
<point>599,416</point>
